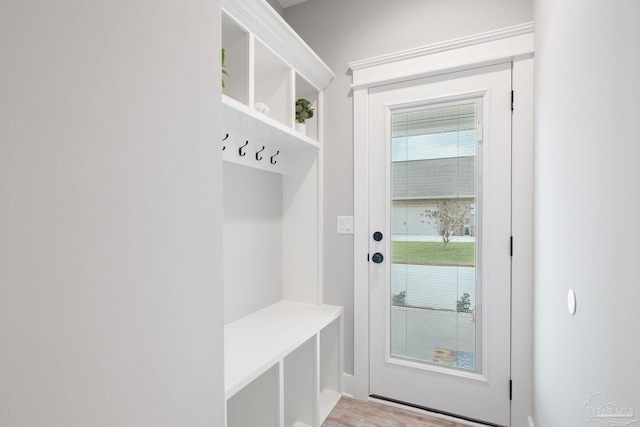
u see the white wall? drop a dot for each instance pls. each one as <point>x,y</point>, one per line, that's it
<point>252,240</point>
<point>587,167</point>
<point>110,215</point>
<point>344,31</point>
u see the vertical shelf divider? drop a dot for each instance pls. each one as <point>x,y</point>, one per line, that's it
<point>252,71</point>
<point>292,99</point>
<point>281,393</point>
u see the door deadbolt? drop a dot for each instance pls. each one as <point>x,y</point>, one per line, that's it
<point>377,236</point>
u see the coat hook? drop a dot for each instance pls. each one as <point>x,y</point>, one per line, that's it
<point>273,162</point>
<point>240,149</point>
<point>257,154</point>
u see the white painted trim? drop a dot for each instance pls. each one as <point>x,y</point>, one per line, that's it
<point>341,371</point>
<point>275,32</point>
<point>418,52</point>
<point>522,232</point>
<point>483,49</point>
<point>321,112</point>
<point>361,244</point>
<point>514,44</point>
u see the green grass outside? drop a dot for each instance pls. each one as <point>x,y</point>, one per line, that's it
<point>433,253</point>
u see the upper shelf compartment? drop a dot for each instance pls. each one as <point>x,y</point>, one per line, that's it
<point>269,67</point>
<point>249,135</point>
<point>272,84</point>
<point>235,42</point>
<point>261,20</point>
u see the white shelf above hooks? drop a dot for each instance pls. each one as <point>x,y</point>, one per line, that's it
<point>238,118</point>
<point>254,153</point>
<point>243,124</point>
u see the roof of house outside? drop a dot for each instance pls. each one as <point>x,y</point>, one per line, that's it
<point>444,178</point>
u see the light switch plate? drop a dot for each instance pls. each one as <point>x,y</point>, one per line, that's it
<point>345,225</point>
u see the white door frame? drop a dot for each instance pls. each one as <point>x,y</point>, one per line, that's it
<point>513,44</point>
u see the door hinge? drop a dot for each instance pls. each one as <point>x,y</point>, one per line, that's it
<point>511,100</point>
<point>511,246</point>
<point>510,390</point>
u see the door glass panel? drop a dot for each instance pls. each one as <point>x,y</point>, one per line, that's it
<point>435,235</point>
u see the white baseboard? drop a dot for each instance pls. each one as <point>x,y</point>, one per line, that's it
<point>531,424</point>
<point>347,385</point>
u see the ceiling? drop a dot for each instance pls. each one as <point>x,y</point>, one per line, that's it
<point>287,3</point>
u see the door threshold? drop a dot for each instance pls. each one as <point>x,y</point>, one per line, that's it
<point>431,412</point>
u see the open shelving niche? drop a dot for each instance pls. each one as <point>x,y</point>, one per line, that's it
<point>283,345</point>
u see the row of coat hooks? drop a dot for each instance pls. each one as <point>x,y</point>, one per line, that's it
<point>242,150</point>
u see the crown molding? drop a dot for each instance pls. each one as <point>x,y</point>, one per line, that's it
<point>476,39</point>
<point>481,49</point>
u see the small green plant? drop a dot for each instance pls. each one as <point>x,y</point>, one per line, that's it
<point>304,110</point>
<point>463,305</point>
<point>399,299</point>
<point>224,72</point>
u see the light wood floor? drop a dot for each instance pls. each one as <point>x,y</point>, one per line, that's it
<point>356,413</point>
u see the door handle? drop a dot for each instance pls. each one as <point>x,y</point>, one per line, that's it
<point>377,258</point>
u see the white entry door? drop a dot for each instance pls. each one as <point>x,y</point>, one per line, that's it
<point>440,152</point>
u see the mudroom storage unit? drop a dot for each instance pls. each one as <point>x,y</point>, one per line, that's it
<point>283,346</point>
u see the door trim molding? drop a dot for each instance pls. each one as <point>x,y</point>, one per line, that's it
<point>493,47</point>
<point>513,44</point>
<point>476,39</point>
